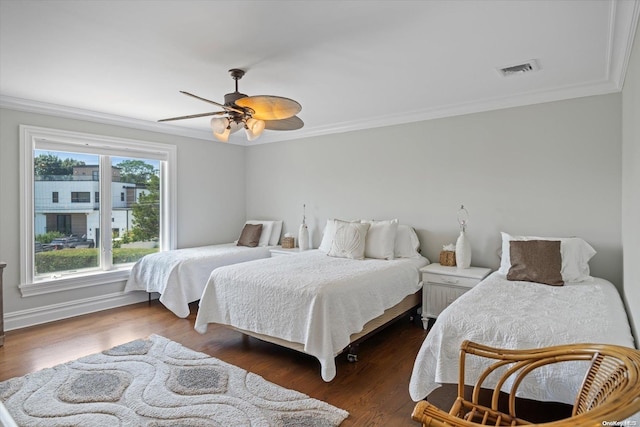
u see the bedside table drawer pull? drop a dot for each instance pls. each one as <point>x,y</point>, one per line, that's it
<point>450,281</point>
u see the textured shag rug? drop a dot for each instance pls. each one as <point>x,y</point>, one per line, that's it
<point>158,382</point>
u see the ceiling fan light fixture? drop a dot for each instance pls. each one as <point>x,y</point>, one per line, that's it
<point>253,113</point>
<point>254,128</point>
<point>270,107</point>
<point>221,128</point>
<point>235,126</point>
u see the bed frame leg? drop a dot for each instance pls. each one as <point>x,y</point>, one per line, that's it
<point>352,353</point>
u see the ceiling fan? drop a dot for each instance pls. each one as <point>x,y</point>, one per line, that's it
<point>253,113</point>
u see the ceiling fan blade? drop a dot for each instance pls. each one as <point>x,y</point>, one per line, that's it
<point>292,123</point>
<point>226,107</point>
<point>193,116</point>
<point>268,107</point>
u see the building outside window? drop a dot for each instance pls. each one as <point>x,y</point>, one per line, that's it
<point>136,181</point>
<point>80,197</point>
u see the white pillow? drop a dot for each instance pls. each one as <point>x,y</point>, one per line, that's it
<point>275,233</point>
<point>327,235</point>
<point>381,239</point>
<point>349,240</point>
<point>575,252</point>
<point>267,228</point>
<point>407,243</point>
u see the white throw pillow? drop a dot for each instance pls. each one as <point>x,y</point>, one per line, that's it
<point>267,228</point>
<point>275,233</point>
<point>575,252</point>
<point>349,240</point>
<point>407,243</point>
<point>381,239</point>
<point>327,235</point>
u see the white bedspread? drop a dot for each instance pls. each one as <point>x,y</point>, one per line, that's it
<point>511,314</point>
<point>181,275</point>
<point>308,298</point>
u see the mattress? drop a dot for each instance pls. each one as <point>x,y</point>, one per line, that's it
<point>308,298</point>
<point>514,314</point>
<point>180,275</point>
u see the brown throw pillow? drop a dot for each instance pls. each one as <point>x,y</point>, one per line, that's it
<point>250,235</point>
<point>536,261</point>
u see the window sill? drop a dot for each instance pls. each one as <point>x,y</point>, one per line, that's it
<point>74,281</point>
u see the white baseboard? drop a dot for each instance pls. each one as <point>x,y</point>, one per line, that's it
<point>51,313</point>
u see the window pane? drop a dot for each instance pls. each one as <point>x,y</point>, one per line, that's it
<point>135,208</point>
<point>64,217</point>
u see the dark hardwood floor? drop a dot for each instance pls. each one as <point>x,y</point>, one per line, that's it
<point>375,390</point>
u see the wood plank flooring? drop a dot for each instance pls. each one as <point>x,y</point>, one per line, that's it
<point>375,390</point>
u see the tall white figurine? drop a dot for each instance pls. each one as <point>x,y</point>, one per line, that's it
<point>303,233</point>
<point>463,247</point>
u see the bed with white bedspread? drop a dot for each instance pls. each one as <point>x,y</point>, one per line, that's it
<point>506,313</point>
<point>310,299</point>
<point>180,275</point>
<point>514,314</point>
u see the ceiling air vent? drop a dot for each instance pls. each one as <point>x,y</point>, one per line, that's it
<point>512,70</point>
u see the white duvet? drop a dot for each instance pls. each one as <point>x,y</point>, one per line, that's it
<point>512,314</point>
<point>180,275</point>
<point>308,298</point>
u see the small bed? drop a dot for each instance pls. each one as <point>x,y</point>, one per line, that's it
<point>314,302</point>
<point>180,275</point>
<point>514,308</point>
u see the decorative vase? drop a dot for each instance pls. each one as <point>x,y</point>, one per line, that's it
<point>303,232</point>
<point>303,237</point>
<point>463,251</point>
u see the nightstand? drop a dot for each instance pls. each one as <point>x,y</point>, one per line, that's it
<point>442,285</point>
<point>280,251</point>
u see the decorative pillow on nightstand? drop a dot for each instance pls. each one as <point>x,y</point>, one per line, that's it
<point>349,240</point>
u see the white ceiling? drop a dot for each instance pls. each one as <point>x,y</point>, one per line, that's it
<point>351,64</point>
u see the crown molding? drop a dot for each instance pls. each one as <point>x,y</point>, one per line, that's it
<point>32,106</point>
<point>624,16</point>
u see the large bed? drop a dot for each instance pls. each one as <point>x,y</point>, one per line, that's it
<point>180,275</point>
<point>506,313</point>
<point>311,301</point>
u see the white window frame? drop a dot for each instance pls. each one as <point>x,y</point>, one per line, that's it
<point>32,138</point>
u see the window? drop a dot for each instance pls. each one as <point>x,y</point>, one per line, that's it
<point>73,165</point>
<point>80,197</point>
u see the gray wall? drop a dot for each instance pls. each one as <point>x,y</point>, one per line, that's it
<point>550,169</point>
<point>210,198</point>
<point>631,187</point>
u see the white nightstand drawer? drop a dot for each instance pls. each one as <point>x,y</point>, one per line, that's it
<point>465,282</point>
<point>280,251</point>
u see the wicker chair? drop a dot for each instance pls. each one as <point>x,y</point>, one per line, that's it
<point>610,390</point>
